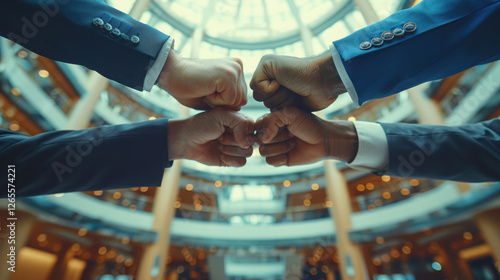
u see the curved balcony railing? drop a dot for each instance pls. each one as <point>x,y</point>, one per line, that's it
<point>433,208</point>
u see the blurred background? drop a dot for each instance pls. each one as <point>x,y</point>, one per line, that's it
<point>320,221</point>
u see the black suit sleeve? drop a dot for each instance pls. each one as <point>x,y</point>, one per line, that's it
<point>64,30</point>
<point>469,153</point>
<point>107,157</point>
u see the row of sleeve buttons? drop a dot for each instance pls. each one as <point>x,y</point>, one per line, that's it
<point>115,32</point>
<point>388,36</point>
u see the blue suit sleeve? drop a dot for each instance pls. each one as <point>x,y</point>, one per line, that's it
<point>451,36</point>
<point>107,157</point>
<point>63,30</point>
<point>468,153</point>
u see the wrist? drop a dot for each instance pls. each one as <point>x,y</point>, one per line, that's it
<point>176,143</point>
<point>329,76</point>
<point>341,141</point>
<point>170,68</point>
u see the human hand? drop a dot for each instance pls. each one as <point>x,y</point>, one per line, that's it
<point>219,137</point>
<point>204,83</point>
<point>290,136</point>
<point>310,83</point>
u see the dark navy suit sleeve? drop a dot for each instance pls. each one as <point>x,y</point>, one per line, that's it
<point>451,36</point>
<point>107,157</point>
<point>468,153</point>
<point>63,30</point>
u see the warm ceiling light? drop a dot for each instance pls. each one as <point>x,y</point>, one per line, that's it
<point>406,250</point>
<point>394,253</point>
<point>22,54</point>
<point>189,187</point>
<point>125,240</point>
<point>414,182</point>
<point>405,191</point>
<point>82,232</point>
<point>14,127</point>
<point>313,271</point>
<point>370,186</point>
<point>385,258</point>
<point>42,237</point>
<point>98,193</point>
<point>360,187</point>
<point>371,207</point>
<point>286,183</point>
<point>102,250</point>
<point>218,184</point>
<point>129,262</point>
<point>307,202</point>
<point>315,187</point>
<point>177,204</point>
<point>117,195</point>
<point>376,262</point>
<point>144,189</point>
<point>198,207</point>
<point>126,202</point>
<point>379,240</point>
<point>152,118</point>
<point>468,236</point>
<point>328,204</point>
<point>386,178</point>
<point>75,247</point>
<point>351,119</point>
<point>120,258</point>
<point>386,195</point>
<point>15,91</point>
<point>43,73</point>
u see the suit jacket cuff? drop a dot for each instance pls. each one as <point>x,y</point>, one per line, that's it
<point>155,70</point>
<point>337,60</point>
<point>373,148</point>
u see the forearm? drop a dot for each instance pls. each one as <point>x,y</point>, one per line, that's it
<point>465,153</point>
<point>451,36</point>
<point>108,157</point>
<point>66,32</point>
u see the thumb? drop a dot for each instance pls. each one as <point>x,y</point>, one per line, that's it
<point>242,126</point>
<point>264,83</point>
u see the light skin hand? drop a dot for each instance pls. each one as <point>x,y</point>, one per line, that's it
<point>310,83</point>
<point>290,136</point>
<point>220,137</point>
<point>204,83</point>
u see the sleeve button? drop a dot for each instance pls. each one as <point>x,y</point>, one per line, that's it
<point>377,41</point>
<point>398,32</point>
<point>365,45</point>
<point>98,22</point>
<point>107,27</point>
<point>115,32</point>
<point>387,36</point>
<point>410,27</point>
<point>135,40</point>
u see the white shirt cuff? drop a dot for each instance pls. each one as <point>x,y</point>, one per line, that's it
<point>337,60</point>
<point>373,148</point>
<point>155,70</point>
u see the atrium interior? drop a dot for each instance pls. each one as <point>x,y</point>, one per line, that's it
<point>318,221</point>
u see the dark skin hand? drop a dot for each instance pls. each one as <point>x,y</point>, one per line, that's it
<point>310,83</point>
<point>290,136</point>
